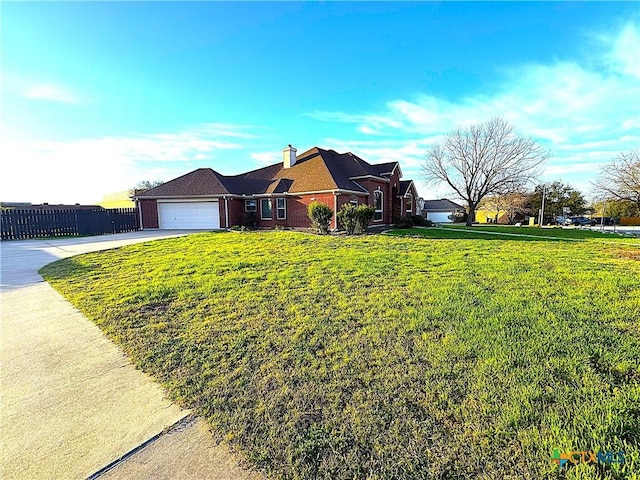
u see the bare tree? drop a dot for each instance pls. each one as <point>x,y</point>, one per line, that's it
<point>518,206</point>
<point>483,159</point>
<point>620,179</point>
<point>147,184</point>
<point>511,206</point>
<point>494,204</point>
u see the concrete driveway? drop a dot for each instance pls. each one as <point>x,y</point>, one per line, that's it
<point>72,405</point>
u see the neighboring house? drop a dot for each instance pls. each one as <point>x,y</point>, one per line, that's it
<point>439,211</point>
<point>485,215</point>
<point>278,195</point>
<point>503,217</point>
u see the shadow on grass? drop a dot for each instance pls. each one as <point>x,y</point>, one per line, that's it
<point>65,268</point>
<point>437,233</point>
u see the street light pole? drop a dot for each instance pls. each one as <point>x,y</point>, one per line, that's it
<point>544,192</point>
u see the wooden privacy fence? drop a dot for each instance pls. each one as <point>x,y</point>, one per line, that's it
<point>629,220</point>
<point>22,224</point>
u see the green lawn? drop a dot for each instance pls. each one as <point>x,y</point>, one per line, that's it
<point>384,356</point>
<point>592,233</point>
<point>480,232</point>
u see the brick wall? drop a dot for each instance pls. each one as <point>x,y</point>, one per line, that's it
<point>297,208</point>
<point>387,198</point>
<point>395,204</point>
<point>223,213</point>
<point>414,199</point>
<point>237,216</point>
<point>149,209</point>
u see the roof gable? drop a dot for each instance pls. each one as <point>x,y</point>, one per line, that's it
<point>347,168</point>
<point>315,170</point>
<point>309,174</point>
<point>387,168</point>
<point>443,205</point>
<point>405,187</point>
<point>200,182</point>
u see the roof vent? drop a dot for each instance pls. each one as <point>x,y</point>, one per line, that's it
<point>289,157</point>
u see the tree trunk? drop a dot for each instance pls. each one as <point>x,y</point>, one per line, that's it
<point>471,216</point>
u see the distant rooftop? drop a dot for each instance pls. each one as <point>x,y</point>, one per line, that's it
<point>442,205</point>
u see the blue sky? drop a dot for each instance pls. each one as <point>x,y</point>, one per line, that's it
<point>98,96</point>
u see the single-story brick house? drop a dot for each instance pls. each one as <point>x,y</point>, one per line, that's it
<point>278,195</point>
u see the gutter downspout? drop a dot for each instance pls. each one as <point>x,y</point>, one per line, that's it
<point>335,210</point>
<point>139,207</point>
<point>226,212</point>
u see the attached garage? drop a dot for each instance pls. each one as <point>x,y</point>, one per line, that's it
<point>189,215</point>
<point>439,211</point>
<point>439,217</point>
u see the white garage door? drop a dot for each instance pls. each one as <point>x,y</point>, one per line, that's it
<point>189,215</point>
<point>439,217</point>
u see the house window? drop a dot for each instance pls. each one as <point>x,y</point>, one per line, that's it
<point>250,205</point>
<point>266,210</point>
<point>281,207</point>
<point>408,204</point>
<point>377,205</point>
<point>354,200</point>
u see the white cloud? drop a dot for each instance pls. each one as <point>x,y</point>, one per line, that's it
<point>51,93</point>
<point>83,170</point>
<point>626,54</point>
<point>585,111</point>
<point>266,158</point>
<point>341,117</point>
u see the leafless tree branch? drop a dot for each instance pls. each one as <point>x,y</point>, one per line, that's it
<point>620,179</point>
<point>487,158</point>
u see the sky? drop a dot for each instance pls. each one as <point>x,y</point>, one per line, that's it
<point>98,96</point>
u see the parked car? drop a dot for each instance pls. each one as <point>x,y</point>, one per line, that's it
<point>580,221</point>
<point>599,220</point>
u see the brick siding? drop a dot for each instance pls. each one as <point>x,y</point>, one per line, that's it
<point>149,210</point>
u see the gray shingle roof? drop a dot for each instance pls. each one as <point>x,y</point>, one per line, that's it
<point>404,187</point>
<point>203,181</point>
<point>442,205</point>
<point>315,170</point>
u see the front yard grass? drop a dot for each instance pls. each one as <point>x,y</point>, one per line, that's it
<point>384,357</point>
<point>505,232</point>
<point>573,233</point>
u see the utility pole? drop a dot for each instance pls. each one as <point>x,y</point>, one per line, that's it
<point>544,192</point>
<point>604,209</point>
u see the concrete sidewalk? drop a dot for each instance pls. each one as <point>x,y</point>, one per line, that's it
<point>71,402</point>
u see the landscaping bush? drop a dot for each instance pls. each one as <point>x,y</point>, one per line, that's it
<point>419,221</point>
<point>348,218</point>
<point>411,221</point>
<point>320,216</point>
<point>251,220</point>
<point>458,217</point>
<point>364,216</point>
<point>402,222</point>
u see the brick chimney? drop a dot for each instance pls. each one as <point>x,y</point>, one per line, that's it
<point>289,157</point>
